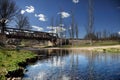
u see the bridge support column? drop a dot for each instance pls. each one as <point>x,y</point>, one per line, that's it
<point>3,38</point>
<point>50,43</point>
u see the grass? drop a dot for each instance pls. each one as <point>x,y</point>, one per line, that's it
<point>9,60</point>
<point>97,43</point>
<point>110,50</point>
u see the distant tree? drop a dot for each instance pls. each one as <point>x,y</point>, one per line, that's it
<point>76,31</point>
<point>114,36</point>
<point>70,32</point>
<point>22,22</point>
<point>93,36</point>
<point>97,35</point>
<point>8,10</point>
<point>104,35</point>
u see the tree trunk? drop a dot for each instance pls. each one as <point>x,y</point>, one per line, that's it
<point>3,28</point>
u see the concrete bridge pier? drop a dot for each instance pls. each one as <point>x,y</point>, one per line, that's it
<point>3,38</point>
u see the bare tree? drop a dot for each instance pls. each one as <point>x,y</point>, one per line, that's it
<point>69,32</point>
<point>76,30</point>
<point>52,25</point>
<point>56,24</point>
<point>89,28</point>
<point>73,26</point>
<point>61,27</point>
<point>22,22</point>
<point>104,35</point>
<point>8,10</point>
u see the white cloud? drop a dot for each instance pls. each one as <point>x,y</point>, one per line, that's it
<point>29,9</point>
<point>37,28</point>
<point>75,1</point>
<point>119,33</point>
<point>56,29</point>
<point>57,62</point>
<point>36,65</point>
<point>41,17</point>
<point>22,11</point>
<point>64,14</point>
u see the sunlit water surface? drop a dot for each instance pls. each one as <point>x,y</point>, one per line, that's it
<point>75,65</point>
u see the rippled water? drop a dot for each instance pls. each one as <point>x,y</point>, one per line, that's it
<point>75,65</point>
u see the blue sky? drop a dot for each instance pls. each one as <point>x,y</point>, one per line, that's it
<point>106,13</point>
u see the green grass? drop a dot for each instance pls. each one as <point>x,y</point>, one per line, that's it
<point>97,43</point>
<point>9,60</point>
<point>113,50</point>
<point>106,43</point>
<point>109,50</point>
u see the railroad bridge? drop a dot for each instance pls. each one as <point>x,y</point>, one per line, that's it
<point>28,34</point>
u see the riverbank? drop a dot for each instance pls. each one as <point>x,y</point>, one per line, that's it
<point>111,48</point>
<point>9,60</point>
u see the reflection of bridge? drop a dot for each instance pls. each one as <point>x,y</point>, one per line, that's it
<point>28,34</point>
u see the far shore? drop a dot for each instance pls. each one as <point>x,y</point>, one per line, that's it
<point>91,48</point>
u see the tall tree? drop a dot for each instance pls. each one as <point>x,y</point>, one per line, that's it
<point>104,34</point>
<point>89,28</point>
<point>22,22</point>
<point>52,24</point>
<point>76,31</point>
<point>61,27</point>
<point>69,32</point>
<point>56,24</point>
<point>8,10</point>
<point>73,26</point>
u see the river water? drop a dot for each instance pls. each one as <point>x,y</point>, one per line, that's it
<point>75,65</point>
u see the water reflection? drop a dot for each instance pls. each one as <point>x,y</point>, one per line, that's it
<point>75,65</point>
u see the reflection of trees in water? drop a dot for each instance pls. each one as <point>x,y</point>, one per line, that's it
<point>91,62</point>
<point>74,62</point>
<point>97,66</point>
<point>107,61</point>
<point>76,65</point>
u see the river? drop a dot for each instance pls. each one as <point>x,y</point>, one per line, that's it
<point>75,65</point>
